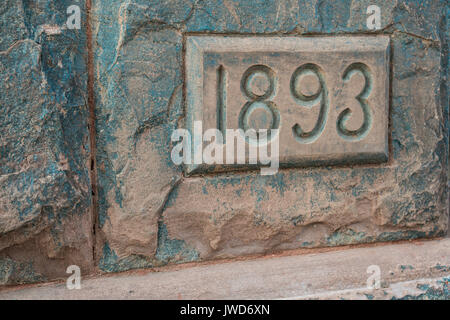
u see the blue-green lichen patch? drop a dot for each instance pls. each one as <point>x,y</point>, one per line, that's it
<point>418,289</point>
<point>36,170</point>
<point>13,272</point>
<point>173,249</point>
<point>404,268</point>
<point>348,236</point>
<point>438,291</point>
<point>442,268</point>
<point>110,262</point>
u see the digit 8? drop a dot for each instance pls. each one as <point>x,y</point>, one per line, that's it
<point>258,97</point>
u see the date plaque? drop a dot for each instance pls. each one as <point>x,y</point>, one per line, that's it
<point>328,97</point>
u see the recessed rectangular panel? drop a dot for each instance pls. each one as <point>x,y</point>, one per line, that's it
<point>328,97</point>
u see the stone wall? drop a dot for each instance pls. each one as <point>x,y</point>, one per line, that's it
<point>143,211</point>
<point>45,191</point>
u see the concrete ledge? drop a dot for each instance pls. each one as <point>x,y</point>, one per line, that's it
<point>416,270</point>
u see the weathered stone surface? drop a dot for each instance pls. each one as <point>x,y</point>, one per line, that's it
<point>12,23</point>
<point>139,109</point>
<point>45,193</point>
<point>149,214</point>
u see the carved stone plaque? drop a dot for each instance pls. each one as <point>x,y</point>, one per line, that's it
<point>327,97</point>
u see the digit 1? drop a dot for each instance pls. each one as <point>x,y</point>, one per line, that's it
<point>221,101</point>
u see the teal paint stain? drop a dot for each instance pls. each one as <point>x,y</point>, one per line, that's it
<point>406,267</point>
<point>442,268</point>
<point>439,291</point>
<point>15,272</point>
<point>110,262</point>
<point>347,237</point>
<point>369,296</point>
<point>173,249</point>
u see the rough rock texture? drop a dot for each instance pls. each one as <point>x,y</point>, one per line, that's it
<point>150,214</point>
<point>45,193</point>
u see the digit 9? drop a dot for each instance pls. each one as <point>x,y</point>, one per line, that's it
<point>315,92</point>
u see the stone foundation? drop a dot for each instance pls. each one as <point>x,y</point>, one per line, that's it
<point>87,116</point>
